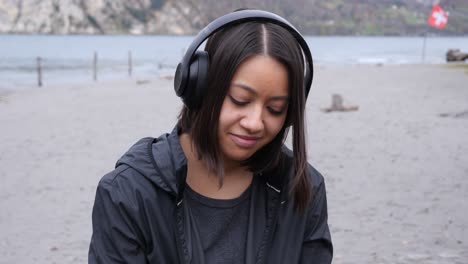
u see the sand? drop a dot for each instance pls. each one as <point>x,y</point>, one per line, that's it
<point>396,169</point>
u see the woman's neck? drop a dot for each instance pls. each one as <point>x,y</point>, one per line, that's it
<point>236,177</point>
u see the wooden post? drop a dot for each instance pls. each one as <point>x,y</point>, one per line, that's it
<point>129,63</point>
<point>423,56</point>
<point>95,66</point>
<point>39,71</point>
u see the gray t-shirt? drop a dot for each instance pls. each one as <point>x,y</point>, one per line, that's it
<point>222,225</point>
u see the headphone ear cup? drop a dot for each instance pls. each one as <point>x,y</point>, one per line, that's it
<point>197,81</point>
<point>178,81</point>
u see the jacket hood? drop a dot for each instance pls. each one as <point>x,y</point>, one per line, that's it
<point>161,160</point>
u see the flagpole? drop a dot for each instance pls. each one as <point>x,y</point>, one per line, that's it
<point>423,55</point>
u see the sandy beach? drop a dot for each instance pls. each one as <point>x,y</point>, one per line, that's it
<point>396,170</point>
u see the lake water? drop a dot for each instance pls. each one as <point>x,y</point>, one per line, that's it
<point>68,59</point>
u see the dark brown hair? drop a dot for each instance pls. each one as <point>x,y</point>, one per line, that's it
<point>227,49</point>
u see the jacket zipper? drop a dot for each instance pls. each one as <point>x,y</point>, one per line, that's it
<point>180,235</point>
<point>273,208</point>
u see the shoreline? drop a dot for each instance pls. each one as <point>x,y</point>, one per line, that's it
<point>110,79</point>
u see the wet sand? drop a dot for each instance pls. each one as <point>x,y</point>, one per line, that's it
<point>396,169</point>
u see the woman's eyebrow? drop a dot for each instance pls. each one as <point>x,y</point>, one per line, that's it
<point>253,91</point>
<point>245,87</point>
<point>279,98</point>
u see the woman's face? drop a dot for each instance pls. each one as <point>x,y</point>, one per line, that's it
<point>254,109</point>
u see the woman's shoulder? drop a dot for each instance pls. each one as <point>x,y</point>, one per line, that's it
<point>316,179</point>
<point>144,170</point>
<point>124,183</point>
<point>127,173</point>
<point>120,175</point>
<point>127,190</point>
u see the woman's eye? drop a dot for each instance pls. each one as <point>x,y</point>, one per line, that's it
<point>237,102</point>
<point>274,111</point>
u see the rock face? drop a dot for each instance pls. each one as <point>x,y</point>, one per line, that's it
<point>92,17</point>
<point>311,17</point>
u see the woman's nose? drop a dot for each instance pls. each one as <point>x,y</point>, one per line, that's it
<point>253,120</point>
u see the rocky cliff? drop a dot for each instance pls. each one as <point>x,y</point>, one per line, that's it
<point>92,17</point>
<point>316,17</point>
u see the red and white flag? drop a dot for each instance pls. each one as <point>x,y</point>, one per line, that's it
<point>438,17</point>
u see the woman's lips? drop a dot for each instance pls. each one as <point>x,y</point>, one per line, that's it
<point>244,141</point>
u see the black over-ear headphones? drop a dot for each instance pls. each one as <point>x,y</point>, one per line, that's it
<point>191,77</point>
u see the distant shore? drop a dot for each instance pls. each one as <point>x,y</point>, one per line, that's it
<point>395,169</point>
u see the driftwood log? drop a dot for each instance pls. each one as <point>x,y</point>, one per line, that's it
<point>455,55</point>
<point>337,105</point>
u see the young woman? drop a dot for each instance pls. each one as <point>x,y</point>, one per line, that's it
<point>222,187</point>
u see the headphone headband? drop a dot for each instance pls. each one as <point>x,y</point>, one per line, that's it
<point>182,73</point>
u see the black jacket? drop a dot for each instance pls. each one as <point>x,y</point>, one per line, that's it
<point>140,216</point>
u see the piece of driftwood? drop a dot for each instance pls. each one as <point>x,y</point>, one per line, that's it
<point>456,55</point>
<point>141,82</point>
<point>337,105</point>
<point>462,114</point>
<point>167,76</point>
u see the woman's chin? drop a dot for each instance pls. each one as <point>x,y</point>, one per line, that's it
<point>237,156</point>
